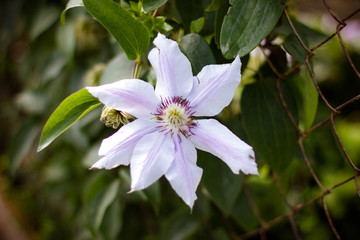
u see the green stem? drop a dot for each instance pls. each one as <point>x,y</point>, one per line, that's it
<point>138,66</point>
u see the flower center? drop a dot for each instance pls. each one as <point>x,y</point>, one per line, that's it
<point>174,114</point>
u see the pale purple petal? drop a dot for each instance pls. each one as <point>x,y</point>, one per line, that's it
<point>211,136</point>
<point>151,159</point>
<point>117,149</point>
<point>132,96</point>
<point>214,88</point>
<point>173,69</point>
<point>183,175</point>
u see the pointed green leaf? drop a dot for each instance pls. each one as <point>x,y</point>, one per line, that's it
<point>247,23</point>
<point>267,125</point>
<point>292,45</point>
<point>131,34</point>
<point>66,114</point>
<point>70,4</point>
<point>295,49</point>
<point>197,25</point>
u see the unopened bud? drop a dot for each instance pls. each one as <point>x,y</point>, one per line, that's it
<point>113,118</point>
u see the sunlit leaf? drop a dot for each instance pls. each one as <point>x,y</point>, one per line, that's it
<point>131,34</point>
<point>72,109</point>
<point>197,25</point>
<point>246,24</point>
<point>267,125</point>
<point>310,99</point>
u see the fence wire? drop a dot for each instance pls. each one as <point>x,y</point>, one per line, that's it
<point>335,111</point>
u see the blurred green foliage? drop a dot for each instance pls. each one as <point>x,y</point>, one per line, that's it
<point>53,194</point>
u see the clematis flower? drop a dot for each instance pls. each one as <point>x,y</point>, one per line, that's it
<point>162,139</point>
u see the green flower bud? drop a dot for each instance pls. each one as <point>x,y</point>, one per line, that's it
<point>113,118</point>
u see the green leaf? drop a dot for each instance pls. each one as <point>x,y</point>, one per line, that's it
<point>112,222</point>
<point>267,199</point>
<point>267,125</point>
<point>22,143</point>
<point>308,95</point>
<point>100,195</point>
<point>243,214</point>
<point>197,51</point>
<point>197,25</point>
<point>293,46</point>
<point>247,23</point>
<point>308,35</point>
<point>131,34</point>
<point>66,114</point>
<point>70,4</point>
<point>221,184</point>
<point>151,5</point>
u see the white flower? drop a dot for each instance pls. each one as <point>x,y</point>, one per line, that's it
<point>162,139</point>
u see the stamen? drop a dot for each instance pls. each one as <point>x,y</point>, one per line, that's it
<point>175,116</point>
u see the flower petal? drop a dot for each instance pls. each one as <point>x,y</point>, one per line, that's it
<point>183,174</point>
<point>213,137</point>
<point>132,96</point>
<point>117,149</point>
<point>173,69</point>
<point>151,159</point>
<point>214,88</point>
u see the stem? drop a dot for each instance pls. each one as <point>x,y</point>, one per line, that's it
<point>137,69</point>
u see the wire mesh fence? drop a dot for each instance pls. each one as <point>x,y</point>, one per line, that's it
<point>328,122</point>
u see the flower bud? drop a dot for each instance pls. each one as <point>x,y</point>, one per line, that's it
<point>113,118</point>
